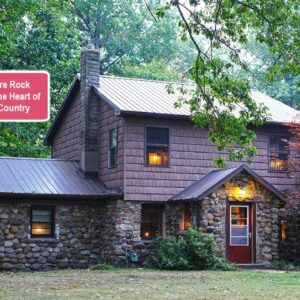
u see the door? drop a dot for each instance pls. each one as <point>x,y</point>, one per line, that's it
<point>239,233</point>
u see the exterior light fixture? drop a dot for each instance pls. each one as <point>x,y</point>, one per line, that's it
<point>240,193</point>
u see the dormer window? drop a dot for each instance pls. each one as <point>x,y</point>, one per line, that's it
<point>157,146</point>
<point>278,153</point>
<point>113,148</point>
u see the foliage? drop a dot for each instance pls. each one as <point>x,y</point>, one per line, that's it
<point>106,267</point>
<point>193,251</point>
<point>292,206</point>
<point>285,265</point>
<point>221,101</point>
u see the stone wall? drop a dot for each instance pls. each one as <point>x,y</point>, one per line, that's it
<point>289,248</point>
<point>85,235</point>
<point>212,218</point>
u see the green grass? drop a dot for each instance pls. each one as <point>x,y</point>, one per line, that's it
<point>149,284</point>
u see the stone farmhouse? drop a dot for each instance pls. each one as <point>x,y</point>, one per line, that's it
<point>127,166</point>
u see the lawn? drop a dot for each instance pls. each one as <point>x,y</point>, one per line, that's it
<point>148,284</point>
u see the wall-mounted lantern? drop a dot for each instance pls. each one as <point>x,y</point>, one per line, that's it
<point>241,191</point>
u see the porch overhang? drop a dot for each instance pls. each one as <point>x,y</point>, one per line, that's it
<point>215,179</point>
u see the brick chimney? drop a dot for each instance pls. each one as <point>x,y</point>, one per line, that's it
<point>89,113</point>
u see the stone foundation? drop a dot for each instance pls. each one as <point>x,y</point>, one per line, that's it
<point>85,235</point>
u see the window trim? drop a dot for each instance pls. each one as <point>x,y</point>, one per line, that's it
<point>43,207</point>
<point>269,150</point>
<point>145,147</point>
<point>109,148</point>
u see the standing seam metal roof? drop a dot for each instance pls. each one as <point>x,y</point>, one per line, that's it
<point>150,96</point>
<point>213,180</point>
<point>52,177</point>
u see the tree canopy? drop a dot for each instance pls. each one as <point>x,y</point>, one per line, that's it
<point>225,46</point>
<point>222,99</point>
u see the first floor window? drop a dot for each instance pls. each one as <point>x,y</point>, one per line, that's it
<point>157,146</point>
<point>42,221</point>
<point>151,221</point>
<point>187,216</point>
<point>113,146</point>
<point>283,229</point>
<point>278,153</point>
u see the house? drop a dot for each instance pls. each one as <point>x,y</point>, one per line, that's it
<point>127,165</point>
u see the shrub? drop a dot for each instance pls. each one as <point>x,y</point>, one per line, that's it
<point>285,265</point>
<point>193,251</point>
<point>106,267</point>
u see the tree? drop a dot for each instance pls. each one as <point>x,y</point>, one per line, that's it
<point>37,36</point>
<point>221,100</point>
<point>292,206</point>
<point>125,29</point>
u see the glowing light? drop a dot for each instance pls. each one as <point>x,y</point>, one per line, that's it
<point>154,158</point>
<point>147,234</point>
<point>240,192</point>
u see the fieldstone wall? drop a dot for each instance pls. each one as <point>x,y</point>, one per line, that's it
<point>289,248</point>
<point>84,235</point>
<point>212,218</point>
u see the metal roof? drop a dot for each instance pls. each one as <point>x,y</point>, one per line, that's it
<point>213,180</point>
<point>150,96</point>
<point>48,177</point>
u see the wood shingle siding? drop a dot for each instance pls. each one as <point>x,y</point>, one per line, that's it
<point>191,157</point>
<point>112,177</point>
<point>66,140</point>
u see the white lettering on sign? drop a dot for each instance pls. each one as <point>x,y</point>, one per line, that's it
<point>3,85</point>
<point>16,108</point>
<point>19,85</point>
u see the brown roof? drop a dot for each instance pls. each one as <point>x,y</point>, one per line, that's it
<point>213,180</point>
<point>49,177</point>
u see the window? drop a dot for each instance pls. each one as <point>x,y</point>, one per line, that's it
<point>113,147</point>
<point>278,153</point>
<point>151,221</point>
<point>283,229</point>
<point>187,216</point>
<point>157,146</point>
<point>42,221</point>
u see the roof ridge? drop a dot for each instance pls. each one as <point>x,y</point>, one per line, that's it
<point>37,158</point>
<point>147,80</point>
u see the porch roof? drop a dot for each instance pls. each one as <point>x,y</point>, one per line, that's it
<point>213,180</point>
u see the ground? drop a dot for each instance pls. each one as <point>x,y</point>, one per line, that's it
<point>148,284</point>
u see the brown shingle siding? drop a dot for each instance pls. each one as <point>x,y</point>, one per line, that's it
<point>66,140</point>
<point>191,157</point>
<point>112,177</point>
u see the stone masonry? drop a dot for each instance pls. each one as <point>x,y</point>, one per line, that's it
<point>212,218</point>
<point>85,235</point>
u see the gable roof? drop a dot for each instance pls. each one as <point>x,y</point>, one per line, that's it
<point>48,177</point>
<point>138,96</point>
<point>149,98</point>
<point>213,180</point>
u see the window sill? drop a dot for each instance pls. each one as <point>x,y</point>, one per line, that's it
<point>277,171</point>
<point>40,239</point>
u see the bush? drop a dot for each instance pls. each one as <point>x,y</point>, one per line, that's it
<point>193,251</point>
<point>285,265</point>
<point>106,267</point>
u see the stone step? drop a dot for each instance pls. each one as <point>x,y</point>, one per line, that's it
<point>251,266</point>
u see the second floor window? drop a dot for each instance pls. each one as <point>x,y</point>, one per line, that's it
<point>157,146</point>
<point>113,148</point>
<point>278,153</point>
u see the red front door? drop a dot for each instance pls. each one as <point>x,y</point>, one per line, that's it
<point>239,232</point>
